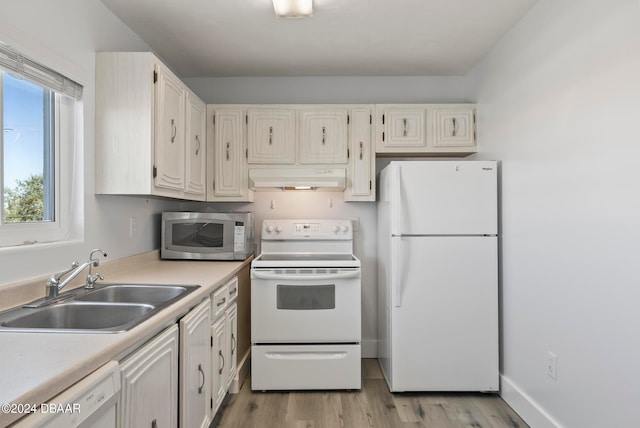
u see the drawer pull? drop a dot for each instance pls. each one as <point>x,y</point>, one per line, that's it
<point>222,302</point>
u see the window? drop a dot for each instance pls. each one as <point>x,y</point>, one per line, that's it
<point>38,111</point>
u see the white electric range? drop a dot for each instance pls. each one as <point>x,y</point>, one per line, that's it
<point>305,307</point>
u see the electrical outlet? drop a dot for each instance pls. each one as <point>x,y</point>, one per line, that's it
<point>552,365</point>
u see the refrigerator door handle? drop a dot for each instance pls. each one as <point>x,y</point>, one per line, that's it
<point>396,271</point>
<point>395,199</point>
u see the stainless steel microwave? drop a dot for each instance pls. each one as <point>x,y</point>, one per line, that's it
<point>206,236</point>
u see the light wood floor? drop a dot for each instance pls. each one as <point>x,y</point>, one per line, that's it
<point>373,406</point>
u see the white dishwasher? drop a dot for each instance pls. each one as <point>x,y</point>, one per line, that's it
<point>90,403</point>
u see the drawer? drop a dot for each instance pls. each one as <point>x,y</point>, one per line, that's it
<point>219,300</point>
<point>333,366</point>
<point>233,289</point>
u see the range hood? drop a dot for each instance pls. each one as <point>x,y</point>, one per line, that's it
<point>326,179</point>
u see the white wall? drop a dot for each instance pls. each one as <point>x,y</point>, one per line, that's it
<point>336,89</point>
<point>65,34</point>
<point>559,105</point>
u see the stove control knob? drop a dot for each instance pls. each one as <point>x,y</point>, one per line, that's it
<point>269,228</point>
<point>278,228</point>
<point>345,228</point>
<point>336,229</point>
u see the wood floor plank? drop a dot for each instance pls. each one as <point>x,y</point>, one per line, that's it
<point>499,415</point>
<point>371,407</point>
<point>356,409</point>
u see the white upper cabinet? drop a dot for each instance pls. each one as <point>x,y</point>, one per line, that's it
<point>170,129</point>
<point>323,136</point>
<point>362,159</point>
<point>271,136</point>
<point>228,179</point>
<point>403,127</point>
<point>425,129</point>
<point>143,129</point>
<point>454,126</point>
<point>196,145</point>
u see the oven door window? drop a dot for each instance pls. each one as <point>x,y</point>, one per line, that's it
<point>307,297</point>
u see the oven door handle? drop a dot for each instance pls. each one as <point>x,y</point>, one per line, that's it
<point>310,355</point>
<point>341,275</point>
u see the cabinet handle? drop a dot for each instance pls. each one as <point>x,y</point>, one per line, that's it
<point>404,131</point>
<point>361,149</point>
<point>233,292</point>
<point>154,424</point>
<point>197,145</point>
<point>233,344</point>
<point>270,135</point>
<point>453,131</point>
<point>228,148</point>
<point>324,134</point>
<point>222,302</point>
<point>203,379</point>
<point>221,356</point>
<point>175,131</point>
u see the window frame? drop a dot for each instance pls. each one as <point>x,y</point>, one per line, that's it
<point>66,131</point>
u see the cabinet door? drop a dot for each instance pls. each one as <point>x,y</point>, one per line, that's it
<point>361,159</point>
<point>403,129</point>
<point>195,367</point>
<point>219,362</point>
<point>195,174</point>
<point>231,316</point>
<point>454,126</point>
<point>271,136</point>
<point>323,136</point>
<point>169,131</point>
<point>149,376</point>
<point>231,177</point>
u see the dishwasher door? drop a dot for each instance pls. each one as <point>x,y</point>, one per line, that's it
<point>90,403</point>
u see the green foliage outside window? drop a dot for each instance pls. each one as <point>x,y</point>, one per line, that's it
<point>25,202</point>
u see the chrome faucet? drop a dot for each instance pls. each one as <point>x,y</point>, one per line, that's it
<point>54,285</point>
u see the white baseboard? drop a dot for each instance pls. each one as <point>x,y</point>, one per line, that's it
<point>534,415</point>
<point>241,373</point>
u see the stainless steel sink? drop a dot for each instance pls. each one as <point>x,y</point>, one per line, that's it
<point>134,293</point>
<point>109,308</point>
<point>81,316</point>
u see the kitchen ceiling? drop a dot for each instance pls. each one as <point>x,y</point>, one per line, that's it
<point>210,38</point>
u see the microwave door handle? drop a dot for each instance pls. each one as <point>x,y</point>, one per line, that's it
<point>342,275</point>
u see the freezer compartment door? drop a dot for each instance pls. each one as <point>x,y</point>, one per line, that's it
<point>444,332</point>
<point>331,366</point>
<point>443,198</point>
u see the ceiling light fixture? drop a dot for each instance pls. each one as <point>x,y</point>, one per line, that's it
<point>293,8</point>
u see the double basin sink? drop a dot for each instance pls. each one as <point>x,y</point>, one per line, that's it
<point>108,308</point>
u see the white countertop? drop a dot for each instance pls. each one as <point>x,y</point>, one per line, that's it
<point>35,367</point>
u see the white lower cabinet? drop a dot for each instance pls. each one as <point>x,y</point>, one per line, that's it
<point>224,342</point>
<point>231,327</point>
<point>149,395</point>
<point>218,384</point>
<point>195,367</point>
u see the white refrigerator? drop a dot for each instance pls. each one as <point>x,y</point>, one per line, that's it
<point>438,275</point>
